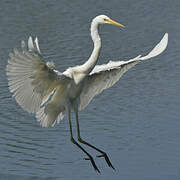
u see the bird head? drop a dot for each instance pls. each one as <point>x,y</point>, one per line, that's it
<point>103,19</point>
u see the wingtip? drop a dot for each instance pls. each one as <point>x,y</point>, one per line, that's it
<point>166,37</point>
<point>30,39</point>
<point>166,34</point>
<point>23,45</point>
<point>164,42</point>
<point>37,45</point>
<point>30,44</point>
<point>158,49</point>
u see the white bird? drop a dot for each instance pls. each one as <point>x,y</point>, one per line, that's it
<point>40,89</point>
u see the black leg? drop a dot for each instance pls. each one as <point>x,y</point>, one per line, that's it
<point>74,142</point>
<point>103,154</point>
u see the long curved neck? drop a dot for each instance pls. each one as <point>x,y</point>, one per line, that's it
<point>89,65</point>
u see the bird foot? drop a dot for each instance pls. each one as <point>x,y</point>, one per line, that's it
<point>107,160</point>
<point>93,163</point>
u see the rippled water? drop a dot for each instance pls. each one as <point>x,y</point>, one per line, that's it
<point>136,122</point>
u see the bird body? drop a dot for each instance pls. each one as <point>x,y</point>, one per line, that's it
<point>39,88</point>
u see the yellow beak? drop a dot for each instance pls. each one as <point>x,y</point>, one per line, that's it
<point>115,23</point>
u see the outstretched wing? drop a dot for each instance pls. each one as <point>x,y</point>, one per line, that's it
<point>30,79</point>
<point>105,76</point>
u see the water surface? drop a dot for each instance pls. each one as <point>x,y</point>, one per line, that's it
<point>136,121</point>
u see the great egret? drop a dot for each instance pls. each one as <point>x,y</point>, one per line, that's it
<point>38,88</point>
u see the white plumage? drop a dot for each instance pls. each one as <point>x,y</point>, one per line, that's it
<point>39,88</point>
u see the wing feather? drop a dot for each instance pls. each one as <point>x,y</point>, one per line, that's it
<point>30,79</point>
<point>105,76</point>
